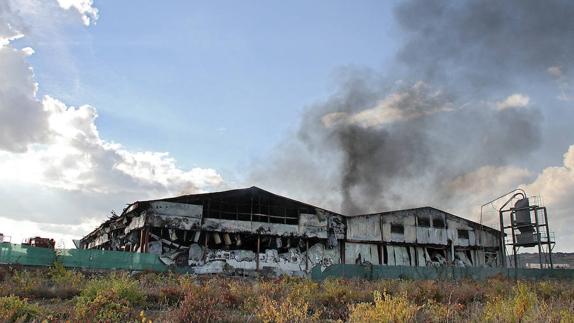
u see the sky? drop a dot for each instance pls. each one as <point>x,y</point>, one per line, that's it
<point>357,107</point>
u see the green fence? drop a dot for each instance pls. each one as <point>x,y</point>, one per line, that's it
<point>102,259</point>
<point>451,273</point>
<point>25,255</point>
<point>79,258</point>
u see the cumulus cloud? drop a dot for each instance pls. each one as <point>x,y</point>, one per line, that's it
<point>513,101</point>
<point>85,8</point>
<point>57,173</point>
<point>76,158</point>
<point>22,118</point>
<point>11,26</point>
<point>555,185</point>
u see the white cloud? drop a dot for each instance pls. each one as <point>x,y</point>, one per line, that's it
<point>414,102</point>
<point>23,229</point>
<point>76,158</point>
<point>514,101</point>
<point>22,118</point>
<point>85,8</point>
<point>555,185</point>
<point>28,51</point>
<point>58,177</point>
<point>10,24</point>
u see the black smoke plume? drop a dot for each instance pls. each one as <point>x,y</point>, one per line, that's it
<point>403,137</point>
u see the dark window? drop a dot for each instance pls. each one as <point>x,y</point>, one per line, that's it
<point>438,222</point>
<point>397,228</point>
<point>423,221</point>
<point>463,234</point>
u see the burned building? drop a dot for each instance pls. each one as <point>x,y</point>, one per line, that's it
<point>247,230</point>
<point>420,237</point>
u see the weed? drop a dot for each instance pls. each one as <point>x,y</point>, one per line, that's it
<point>109,299</point>
<point>14,308</point>
<point>61,276</point>
<point>292,309</point>
<point>386,308</point>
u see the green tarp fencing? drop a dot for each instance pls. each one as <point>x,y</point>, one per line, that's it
<point>25,255</point>
<point>372,272</point>
<point>103,259</point>
<point>79,258</point>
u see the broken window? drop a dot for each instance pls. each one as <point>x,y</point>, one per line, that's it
<point>463,234</point>
<point>397,228</point>
<point>253,210</point>
<point>438,222</point>
<point>423,221</point>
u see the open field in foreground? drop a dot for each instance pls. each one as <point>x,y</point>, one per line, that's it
<point>57,294</point>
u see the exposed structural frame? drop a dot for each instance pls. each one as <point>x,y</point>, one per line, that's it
<point>250,230</point>
<point>523,230</point>
<point>535,234</point>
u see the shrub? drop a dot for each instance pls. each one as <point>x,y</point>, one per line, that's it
<point>386,308</point>
<point>64,277</point>
<point>209,302</point>
<point>14,308</point>
<point>337,294</point>
<point>511,309</point>
<point>434,311</point>
<point>109,299</point>
<point>292,309</point>
<point>26,282</point>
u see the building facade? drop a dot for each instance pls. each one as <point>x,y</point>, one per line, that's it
<point>248,230</point>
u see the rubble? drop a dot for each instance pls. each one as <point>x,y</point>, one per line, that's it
<point>251,230</point>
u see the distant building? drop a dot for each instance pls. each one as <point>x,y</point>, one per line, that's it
<point>538,266</point>
<point>252,230</point>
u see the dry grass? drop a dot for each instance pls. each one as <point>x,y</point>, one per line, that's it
<point>57,294</point>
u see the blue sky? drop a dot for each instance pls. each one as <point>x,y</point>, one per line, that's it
<point>214,84</point>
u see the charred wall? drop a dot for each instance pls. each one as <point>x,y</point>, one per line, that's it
<point>249,230</point>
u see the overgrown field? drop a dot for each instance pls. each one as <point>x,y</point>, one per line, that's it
<point>57,294</point>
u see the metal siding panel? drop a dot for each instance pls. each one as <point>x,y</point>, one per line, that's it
<point>364,228</point>
<point>368,252</point>
<point>391,256</point>
<point>410,234</point>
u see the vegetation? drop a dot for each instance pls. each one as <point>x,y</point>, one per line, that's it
<point>58,294</point>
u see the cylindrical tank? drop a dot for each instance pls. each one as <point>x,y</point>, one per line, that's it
<point>523,214</point>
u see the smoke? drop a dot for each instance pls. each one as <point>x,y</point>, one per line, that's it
<point>402,145</point>
<point>451,108</point>
<point>486,44</point>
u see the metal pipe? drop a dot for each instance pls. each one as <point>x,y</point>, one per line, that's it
<point>258,250</point>
<point>512,220</point>
<point>307,255</point>
<point>548,237</point>
<point>502,242</point>
<point>538,236</point>
<point>501,196</point>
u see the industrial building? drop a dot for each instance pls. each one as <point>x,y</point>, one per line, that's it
<point>248,230</point>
